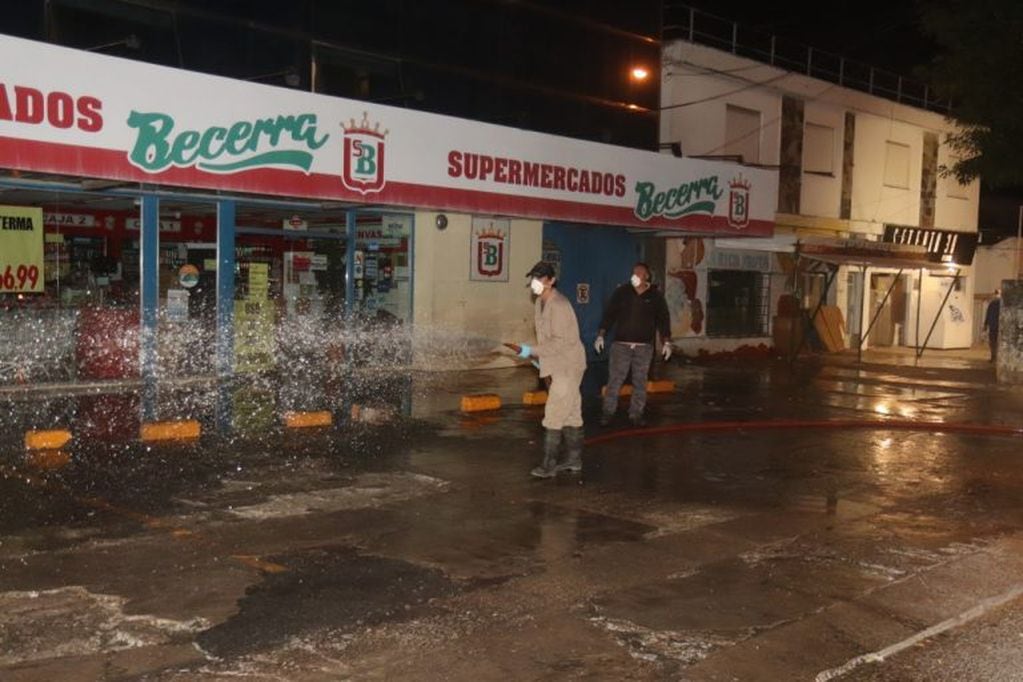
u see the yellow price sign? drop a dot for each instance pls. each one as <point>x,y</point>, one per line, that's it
<point>21,249</point>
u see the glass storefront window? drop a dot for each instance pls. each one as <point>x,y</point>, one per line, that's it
<point>290,285</point>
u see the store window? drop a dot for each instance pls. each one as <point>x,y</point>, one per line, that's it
<point>290,286</point>
<point>738,304</point>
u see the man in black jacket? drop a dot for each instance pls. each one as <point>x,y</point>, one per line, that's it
<point>637,311</point>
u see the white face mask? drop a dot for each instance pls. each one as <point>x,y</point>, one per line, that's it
<point>537,286</point>
<point>635,281</point>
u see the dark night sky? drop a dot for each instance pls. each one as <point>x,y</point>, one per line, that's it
<point>883,34</point>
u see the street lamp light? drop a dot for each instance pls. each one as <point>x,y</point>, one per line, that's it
<point>639,73</point>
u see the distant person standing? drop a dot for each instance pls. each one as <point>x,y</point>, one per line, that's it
<point>638,312</point>
<point>561,357</point>
<point>994,309</point>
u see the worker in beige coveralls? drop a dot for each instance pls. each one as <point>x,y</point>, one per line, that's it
<point>562,358</point>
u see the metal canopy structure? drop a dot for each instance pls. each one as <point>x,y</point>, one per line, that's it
<point>861,254</point>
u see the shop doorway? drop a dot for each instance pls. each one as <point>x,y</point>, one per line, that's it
<point>889,327</point>
<point>854,306</point>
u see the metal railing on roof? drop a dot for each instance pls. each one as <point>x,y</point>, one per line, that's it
<point>682,22</point>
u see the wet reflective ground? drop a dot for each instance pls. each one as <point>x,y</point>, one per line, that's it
<point>419,549</point>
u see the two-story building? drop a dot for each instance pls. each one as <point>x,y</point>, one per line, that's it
<point>859,179</point>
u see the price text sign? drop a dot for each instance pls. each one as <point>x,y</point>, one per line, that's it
<point>21,249</point>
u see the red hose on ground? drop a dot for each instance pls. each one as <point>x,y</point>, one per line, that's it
<point>902,425</point>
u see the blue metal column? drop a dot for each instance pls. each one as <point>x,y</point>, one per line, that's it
<point>225,288</point>
<point>352,235</point>
<point>225,312</point>
<point>149,300</point>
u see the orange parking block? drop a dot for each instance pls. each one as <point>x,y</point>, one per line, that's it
<point>305,420</point>
<point>47,440</point>
<point>659,386</point>
<point>481,402</point>
<point>187,429</point>
<point>534,398</point>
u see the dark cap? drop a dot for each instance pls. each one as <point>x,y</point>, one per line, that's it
<point>542,269</point>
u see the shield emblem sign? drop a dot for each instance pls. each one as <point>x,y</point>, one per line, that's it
<point>363,161</point>
<point>490,256</point>
<point>738,203</point>
<point>489,249</point>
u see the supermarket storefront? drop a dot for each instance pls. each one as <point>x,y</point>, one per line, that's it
<point>158,196</point>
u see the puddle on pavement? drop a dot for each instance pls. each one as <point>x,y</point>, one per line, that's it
<point>488,545</point>
<point>96,474</point>
<point>587,527</point>
<point>330,588</point>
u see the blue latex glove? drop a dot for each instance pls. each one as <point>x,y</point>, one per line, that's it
<point>535,363</point>
<point>525,351</point>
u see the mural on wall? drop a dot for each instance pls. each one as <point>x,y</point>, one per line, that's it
<point>682,289</point>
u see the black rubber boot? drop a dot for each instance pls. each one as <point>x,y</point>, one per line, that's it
<point>574,446</point>
<point>551,445</point>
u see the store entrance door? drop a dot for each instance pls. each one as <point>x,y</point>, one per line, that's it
<point>854,306</point>
<point>889,327</point>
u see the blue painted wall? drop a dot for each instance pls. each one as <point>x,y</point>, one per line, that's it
<point>600,256</point>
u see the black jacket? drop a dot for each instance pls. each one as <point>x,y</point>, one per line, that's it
<point>991,316</point>
<point>637,317</point>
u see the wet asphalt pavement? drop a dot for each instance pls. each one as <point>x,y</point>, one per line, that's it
<point>420,548</point>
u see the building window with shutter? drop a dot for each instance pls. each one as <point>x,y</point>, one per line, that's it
<point>742,133</point>
<point>896,165</point>
<point>819,149</point>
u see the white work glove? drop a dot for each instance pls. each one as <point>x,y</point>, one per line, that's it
<point>666,351</point>
<point>598,345</point>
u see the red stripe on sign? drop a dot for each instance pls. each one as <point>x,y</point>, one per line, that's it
<point>49,157</point>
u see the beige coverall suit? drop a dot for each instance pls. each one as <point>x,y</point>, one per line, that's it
<point>562,357</point>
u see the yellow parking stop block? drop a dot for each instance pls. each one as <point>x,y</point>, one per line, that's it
<point>660,386</point>
<point>534,398</point>
<point>305,420</point>
<point>47,440</point>
<point>481,402</point>
<point>187,429</point>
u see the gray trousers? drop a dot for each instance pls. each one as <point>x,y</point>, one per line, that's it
<point>564,405</point>
<point>623,358</point>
